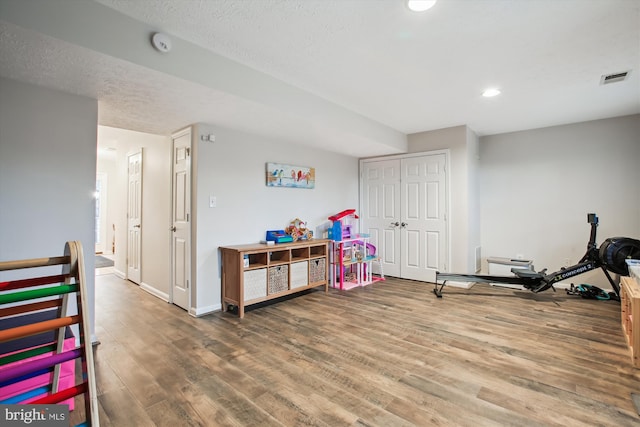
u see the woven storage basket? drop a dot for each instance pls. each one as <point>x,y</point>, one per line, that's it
<point>299,274</point>
<point>317,270</point>
<point>278,279</point>
<point>255,284</point>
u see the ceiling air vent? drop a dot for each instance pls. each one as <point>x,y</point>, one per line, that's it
<point>612,78</point>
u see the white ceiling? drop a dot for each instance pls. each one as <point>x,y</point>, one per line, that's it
<point>375,69</point>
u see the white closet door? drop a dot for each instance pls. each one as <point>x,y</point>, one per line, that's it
<point>404,208</point>
<point>423,222</point>
<point>380,214</point>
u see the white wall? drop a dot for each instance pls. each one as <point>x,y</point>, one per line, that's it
<point>156,203</point>
<point>233,170</point>
<point>47,174</point>
<point>537,187</point>
<point>462,144</point>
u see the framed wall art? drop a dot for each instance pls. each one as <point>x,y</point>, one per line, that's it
<point>283,175</point>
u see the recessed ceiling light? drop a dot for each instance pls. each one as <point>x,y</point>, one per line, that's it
<point>420,5</point>
<point>491,92</point>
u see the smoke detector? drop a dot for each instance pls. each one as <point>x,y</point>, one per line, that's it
<point>613,78</point>
<point>161,42</point>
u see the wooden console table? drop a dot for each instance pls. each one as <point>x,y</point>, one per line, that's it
<point>259,272</point>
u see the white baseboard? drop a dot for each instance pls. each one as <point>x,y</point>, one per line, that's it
<point>153,291</point>
<point>201,311</point>
<point>120,274</point>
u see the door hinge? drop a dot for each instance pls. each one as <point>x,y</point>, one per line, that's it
<point>187,217</point>
<point>188,151</point>
<point>187,284</point>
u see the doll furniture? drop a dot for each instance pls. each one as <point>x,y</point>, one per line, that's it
<point>351,253</point>
<point>351,260</point>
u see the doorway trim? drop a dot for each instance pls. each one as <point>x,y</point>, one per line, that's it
<point>101,244</point>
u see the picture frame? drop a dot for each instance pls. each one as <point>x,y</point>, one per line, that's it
<point>290,176</point>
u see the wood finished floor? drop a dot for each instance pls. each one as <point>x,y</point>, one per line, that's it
<point>390,354</point>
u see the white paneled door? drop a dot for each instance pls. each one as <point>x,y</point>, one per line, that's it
<point>134,216</point>
<point>380,211</point>
<point>404,208</point>
<point>181,227</point>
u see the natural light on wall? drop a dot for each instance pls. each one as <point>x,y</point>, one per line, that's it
<point>420,5</point>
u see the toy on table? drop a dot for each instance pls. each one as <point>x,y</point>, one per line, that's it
<point>298,230</point>
<point>278,236</point>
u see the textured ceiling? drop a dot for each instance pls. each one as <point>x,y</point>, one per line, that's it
<point>410,72</point>
<point>418,72</point>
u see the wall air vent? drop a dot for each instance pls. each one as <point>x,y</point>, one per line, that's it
<point>615,77</point>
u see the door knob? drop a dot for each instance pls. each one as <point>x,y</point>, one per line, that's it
<point>404,224</point>
<point>136,226</point>
<point>395,224</point>
<point>173,228</point>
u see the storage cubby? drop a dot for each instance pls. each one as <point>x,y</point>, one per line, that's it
<point>279,257</point>
<point>256,260</point>
<point>260,272</point>
<point>318,251</point>
<point>299,275</point>
<point>317,270</point>
<point>298,254</point>
<point>278,279</point>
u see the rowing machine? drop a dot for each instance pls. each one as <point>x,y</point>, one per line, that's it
<point>610,256</point>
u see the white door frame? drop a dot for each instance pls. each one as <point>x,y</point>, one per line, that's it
<point>180,229</point>
<point>447,154</point>
<point>101,200</point>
